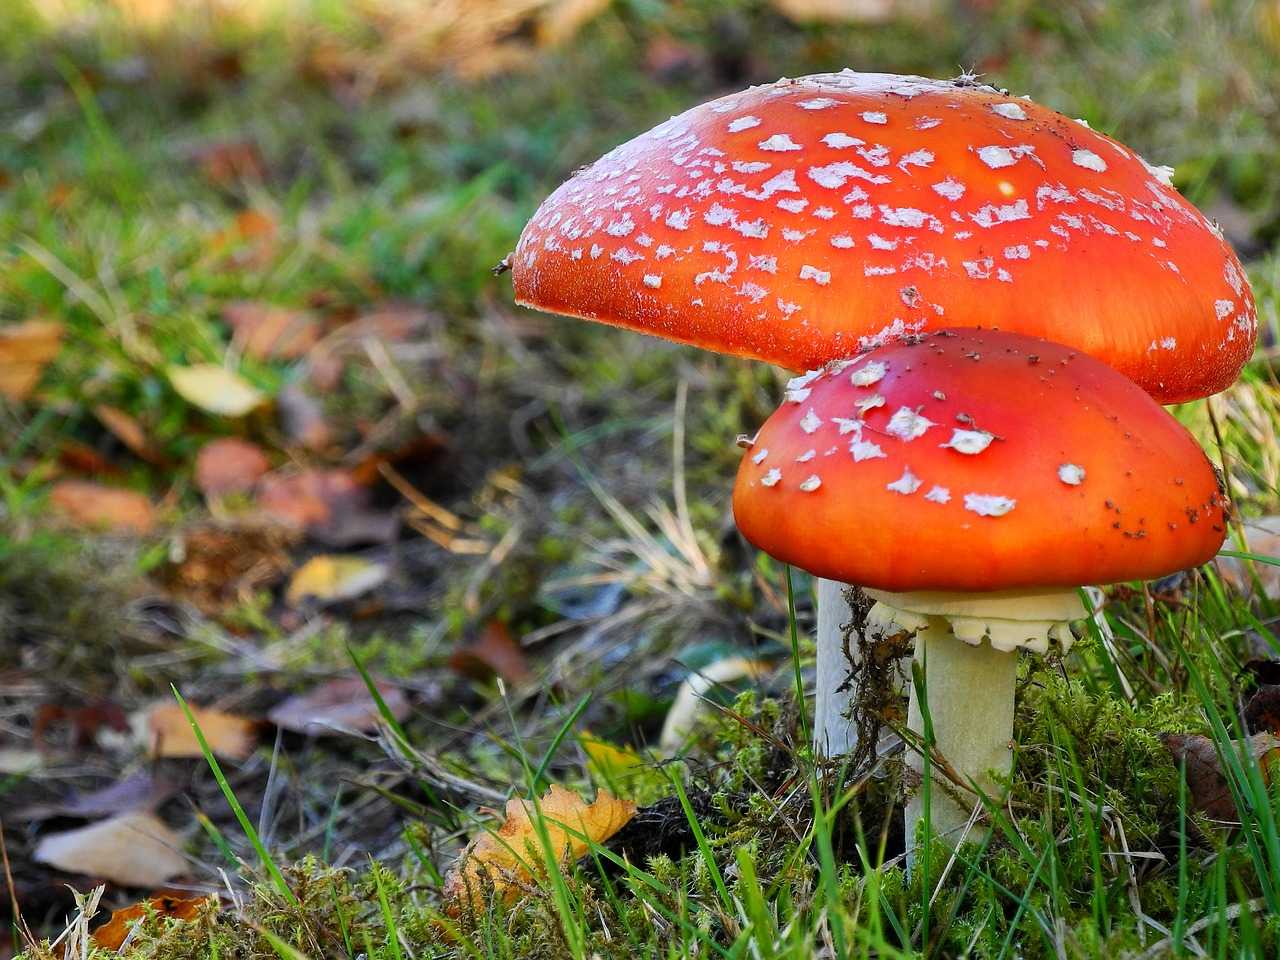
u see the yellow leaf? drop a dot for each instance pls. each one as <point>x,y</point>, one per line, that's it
<point>506,859</point>
<point>329,579</point>
<point>170,733</point>
<point>215,389</point>
<point>607,763</point>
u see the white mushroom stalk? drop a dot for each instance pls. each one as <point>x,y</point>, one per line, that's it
<point>968,689</point>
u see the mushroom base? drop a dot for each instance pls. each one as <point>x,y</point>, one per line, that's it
<point>968,690</point>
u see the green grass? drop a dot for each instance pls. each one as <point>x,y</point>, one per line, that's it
<point>564,437</point>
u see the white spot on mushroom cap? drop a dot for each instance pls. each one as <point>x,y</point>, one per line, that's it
<point>938,495</point>
<point>1009,110</point>
<point>907,424</point>
<point>992,213</point>
<point>810,422</point>
<point>848,424</point>
<point>679,219</point>
<point>872,371</point>
<point>996,157</point>
<point>779,142</point>
<point>1071,473</point>
<point>951,188</point>
<point>820,277</point>
<point>793,204</point>
<point>1161,172</point>
<point>988,505</point>
<point>908,483</point>
<point>968,441</point>
<point>875,116</point>
<point>771,478</point>
<point>1088,159</point>
<point>818,103</point>
<point>810,483</point>
<point>806,456</point>
<point>839,141</point>
<point>1223,308</point>
<point>653,280</point>
<point>743,123</point>
<point>758,457</point>
<point>865,450</point>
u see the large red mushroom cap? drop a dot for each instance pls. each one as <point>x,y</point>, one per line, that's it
<point>977,460</point>
<point>800,221</point>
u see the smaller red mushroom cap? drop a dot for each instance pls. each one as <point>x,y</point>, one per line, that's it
<point>977,460</point>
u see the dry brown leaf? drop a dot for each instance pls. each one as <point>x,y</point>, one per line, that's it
<point>128,431</point>
<point>502,860</point>
<point>92,505</point>
<point>1206,781</point>
<point>25,350</point>
<point>333,579</point>
<point>219,562</point>
<point>229,465</point>
<point>494,651</point>
<point>148,915</point>
<point>329,505</point>
<point>133,849</point>
<point>169,733</point>
<point>264,330</point>
<point>230,163</point>
<point>302,418</point>
<point>338,706</point>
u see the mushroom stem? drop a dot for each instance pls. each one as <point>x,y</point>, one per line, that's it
<point>969,694</point>
<point>966,645</point>
<point>834,732</point>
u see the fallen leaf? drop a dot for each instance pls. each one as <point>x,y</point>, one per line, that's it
<point>340,706</point>
<point>169,733</point>
<point>92,505</point>
<point>250,240</point>
<point>84,722</point>
<point>1206,781</point>
<point>229,465</point>
<point>150,915</point>
<point>215,389</point>
<point>333,579</point>
<point>139,792</point>
<point>132,849</point>
<point>264,330</point>
<point>230,163</point>
<point>493,652</point>
<point>217,563</point>
<point>128,431</point>
<point>510,857</point>
<point>329,505</point>
<point>609,764</point>
<point>302,418</point>
<point>25,350</point>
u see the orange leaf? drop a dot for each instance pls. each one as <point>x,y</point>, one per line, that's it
<point>87,504</point>
<point>25,350</point>
<point>229,465</point>
<point>1206,781</point>
<point>507,859</point>
<point>171,735</point>
<point>128,431</point>
<point>147,914</point>
<point>338,706</point>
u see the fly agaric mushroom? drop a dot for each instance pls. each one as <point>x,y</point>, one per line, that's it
<point>970,481</point>
<point>798,222</point>
<point>803,220</point>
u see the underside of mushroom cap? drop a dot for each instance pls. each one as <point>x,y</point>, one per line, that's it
<point>977,460</point>
<point>799,221</point>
